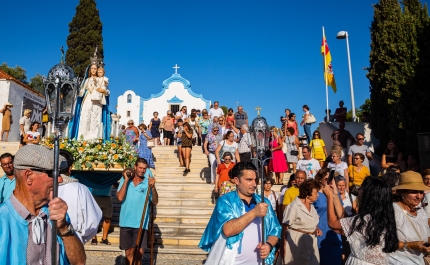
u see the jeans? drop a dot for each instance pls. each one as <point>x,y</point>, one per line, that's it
<point>307,128</point>
<point>213,163</point>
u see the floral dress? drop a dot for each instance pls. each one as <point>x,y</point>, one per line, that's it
<point>129,137</point>
<point>144,151</point>
<point>226,187</point>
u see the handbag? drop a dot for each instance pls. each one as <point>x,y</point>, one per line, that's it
<point>292,152</point>
<point>150,143</point>
<point>311,118</point>
<point>161,127</point>
<point>354,188</point>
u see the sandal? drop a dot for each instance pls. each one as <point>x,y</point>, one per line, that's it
<point>94,241</point>
<point>105,241</point>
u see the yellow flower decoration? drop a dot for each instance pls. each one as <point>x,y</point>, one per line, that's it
<point>113,145</point>
<point>115,157</point>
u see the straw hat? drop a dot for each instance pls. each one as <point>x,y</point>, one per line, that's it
<point>8,104</point>
<point>411,180</point>
<point>27,111</point>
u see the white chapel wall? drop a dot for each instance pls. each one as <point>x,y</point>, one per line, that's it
<point>133,107</point>
<point>161,105</point>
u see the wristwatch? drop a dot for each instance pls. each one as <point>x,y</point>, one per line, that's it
<point>405,247</point>
<point>70,231</point>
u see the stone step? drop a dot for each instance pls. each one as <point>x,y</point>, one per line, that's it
<point>166,156</point>
<point>165,194</point>
<point>191,187</point>
<point>177,169</point>
<point>184,210</point>
<point>180,219</point>
<point>183,180</point>
<point>183,202</point>
<point>161,249</point>
<point>156,151</point>
<point>193,164</point>
<point>171,175</point>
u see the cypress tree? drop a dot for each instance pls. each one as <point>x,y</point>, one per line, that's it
<point>388,58</point>
<point>415,89</point>
<point>85,34</point>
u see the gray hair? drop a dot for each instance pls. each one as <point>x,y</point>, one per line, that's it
<point>245,127</point>
<point>340,178</point>
<point>215,126</point>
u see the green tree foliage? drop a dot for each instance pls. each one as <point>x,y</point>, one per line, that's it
<point>85,34</point>
<point>225,110</point>
<point>359,112</point>
<point>399,72</point>
<point>17,72</point>
<point>36,83</point>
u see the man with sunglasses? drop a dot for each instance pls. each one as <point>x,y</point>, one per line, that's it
<point>7,182</point>
<point>25,234</point>
<point>359,147</point>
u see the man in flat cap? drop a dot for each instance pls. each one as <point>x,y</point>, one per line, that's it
<point>24,217</point>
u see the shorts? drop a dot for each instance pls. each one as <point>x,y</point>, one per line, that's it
<point>22,140</point>
<point>188,147</point>
<point>105,204</point>
<point>128,237</point>
<point>167,134</point>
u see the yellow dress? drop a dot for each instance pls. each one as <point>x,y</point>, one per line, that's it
<point>317,149</point>
<point>7,117</point>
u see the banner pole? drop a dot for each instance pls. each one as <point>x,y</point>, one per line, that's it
<point>325,74</point>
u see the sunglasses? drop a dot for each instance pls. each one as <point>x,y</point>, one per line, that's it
<point>360,139</point>
<point>216,130</point>
<point>227,159</point>
<point>130,123</point>
<point>221,120</point>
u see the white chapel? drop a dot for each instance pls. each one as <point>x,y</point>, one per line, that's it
<point>175,93</point>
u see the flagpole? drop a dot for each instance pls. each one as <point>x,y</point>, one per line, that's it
<point>325,74</point>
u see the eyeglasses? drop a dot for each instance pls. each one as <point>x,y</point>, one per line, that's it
<point>7,164</point>
<point>221,120</point>
<point>360,139</point>
<point>426,179</point>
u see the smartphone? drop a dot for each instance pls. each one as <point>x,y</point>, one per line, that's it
<point>426,244</point>
<point>331,176</point>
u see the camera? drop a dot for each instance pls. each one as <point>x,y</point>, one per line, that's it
<point>129,172</point>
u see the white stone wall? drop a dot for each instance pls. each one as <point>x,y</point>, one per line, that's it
<point>14,93</point>
<point>161,105</point>
<point>133,107</point>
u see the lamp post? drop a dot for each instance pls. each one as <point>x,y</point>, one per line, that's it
<point>260,133</point>
<point>344,35</point>
<point>60,93</point>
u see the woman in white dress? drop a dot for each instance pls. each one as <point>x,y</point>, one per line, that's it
<point>411,220</point>
<point>90,124</point>
<point>372,232</point>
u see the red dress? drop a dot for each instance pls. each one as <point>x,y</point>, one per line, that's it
<point>278,163</point>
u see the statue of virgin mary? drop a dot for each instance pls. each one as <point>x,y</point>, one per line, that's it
<point>92,118</point>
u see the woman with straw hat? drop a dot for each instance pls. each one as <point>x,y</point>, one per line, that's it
<point>411,220</point>
<point>7,120</point>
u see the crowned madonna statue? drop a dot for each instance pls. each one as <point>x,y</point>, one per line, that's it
<point>92,118</point>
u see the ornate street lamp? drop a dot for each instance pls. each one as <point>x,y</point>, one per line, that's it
<point>60,92</point>
<point>260,133</point>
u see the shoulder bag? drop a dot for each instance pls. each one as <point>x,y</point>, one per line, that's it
<point>292,152</point>
<point>161,127</point>
<point>354,188</point>
<point>150,143</point>
<point>311,118</point>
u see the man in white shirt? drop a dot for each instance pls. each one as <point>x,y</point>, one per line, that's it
<point>308,164</point>
<point>24,125</point>
<point>216,111</point>
<point>84,213</point>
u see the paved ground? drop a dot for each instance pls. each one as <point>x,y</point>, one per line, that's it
<point>114,258</point>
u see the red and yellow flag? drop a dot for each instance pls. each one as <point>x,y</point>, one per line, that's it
<point>328,69</point>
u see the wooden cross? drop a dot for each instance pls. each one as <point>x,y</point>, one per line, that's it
<point>176,67</point>
<point>258,110</point>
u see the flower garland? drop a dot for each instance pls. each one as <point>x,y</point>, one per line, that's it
<point>89,154</point>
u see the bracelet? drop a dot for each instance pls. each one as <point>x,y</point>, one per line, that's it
<point>271,246</point>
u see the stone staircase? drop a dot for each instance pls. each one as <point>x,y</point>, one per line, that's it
<point>184,208</point>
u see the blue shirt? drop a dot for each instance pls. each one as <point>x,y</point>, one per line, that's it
<point>6,188</point>
<point>133,203</point>
<point>102,192</point>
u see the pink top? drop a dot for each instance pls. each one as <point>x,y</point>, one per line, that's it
<point>294,126</point>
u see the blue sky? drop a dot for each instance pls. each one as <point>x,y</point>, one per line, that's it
<point>264,53</point>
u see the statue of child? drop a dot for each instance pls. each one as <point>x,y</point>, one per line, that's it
<point>102,82</point>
